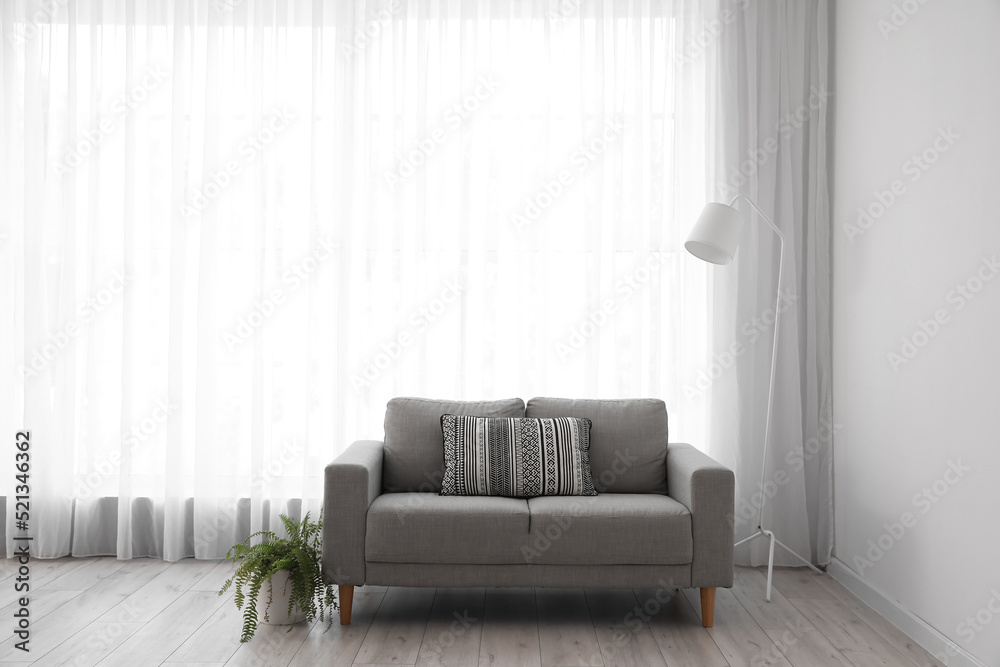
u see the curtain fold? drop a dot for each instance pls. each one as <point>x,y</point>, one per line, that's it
<point>774,74</point>
<point>234,229</point>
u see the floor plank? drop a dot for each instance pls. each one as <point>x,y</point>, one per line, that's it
<point>91,572</point>
<point>272,645</point>
<point>398,628</point>
<point>105,592</point>
<point>90,645</point>
<point>797,639</point>
<point>454,628</point>
<point>217,639</point>
<point>338,645</point>
<point>801,583</point>
<point>214,578</point>
<point>677,629</point>
<point>566,636</point>
<point>739,638</point>
<point>105,612</point>
<point>41,603</point>
<point>916,653</point>
<point>626,641</point>
<point>510,631</point>
<point>853,637</point>
<point>151,599</point>
<point>524,590</point>
<point>161,636</point>
<point>41,572</point>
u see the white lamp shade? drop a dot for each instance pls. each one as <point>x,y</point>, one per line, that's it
<point>716,234</point>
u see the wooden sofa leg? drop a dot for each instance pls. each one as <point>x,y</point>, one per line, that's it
<point>707,607</point>
<point>347,601</point>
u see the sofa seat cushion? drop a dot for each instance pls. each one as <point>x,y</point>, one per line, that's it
<point>428,528</point>
<point>608,529</point>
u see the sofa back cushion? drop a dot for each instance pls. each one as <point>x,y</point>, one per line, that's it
<point>628,440</point>
<point>414,446</point>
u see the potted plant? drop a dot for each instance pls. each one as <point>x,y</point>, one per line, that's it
<point>282,573</point>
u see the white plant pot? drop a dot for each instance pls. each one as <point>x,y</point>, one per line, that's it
<point>277,614</point>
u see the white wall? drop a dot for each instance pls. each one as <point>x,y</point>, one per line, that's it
<point>902,428</point>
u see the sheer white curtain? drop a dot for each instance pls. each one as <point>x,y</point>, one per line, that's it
<point>775,100</point>
<point>232,230</point>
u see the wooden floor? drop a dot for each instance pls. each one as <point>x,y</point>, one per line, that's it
<point>102,611</point>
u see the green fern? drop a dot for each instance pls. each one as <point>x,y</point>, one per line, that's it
<point>299,555</point>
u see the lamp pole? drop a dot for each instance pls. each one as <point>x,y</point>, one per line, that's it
<point>761,532</point>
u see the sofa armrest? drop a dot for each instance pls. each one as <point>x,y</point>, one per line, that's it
<point>353,481</point>
<point>708,490</point>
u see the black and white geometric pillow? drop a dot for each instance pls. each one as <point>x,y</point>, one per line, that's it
<point>516,457</point>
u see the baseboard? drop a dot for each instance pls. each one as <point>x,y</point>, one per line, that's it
<point>908,622</point>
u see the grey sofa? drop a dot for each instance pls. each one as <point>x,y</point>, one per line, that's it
<point>662,517</point>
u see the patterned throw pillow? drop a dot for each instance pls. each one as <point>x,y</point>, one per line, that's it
<point>516,457</point>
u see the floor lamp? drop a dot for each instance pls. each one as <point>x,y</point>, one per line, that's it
<point>714,239</point>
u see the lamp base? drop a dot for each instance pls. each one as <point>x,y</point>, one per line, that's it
<point>770,557</point>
